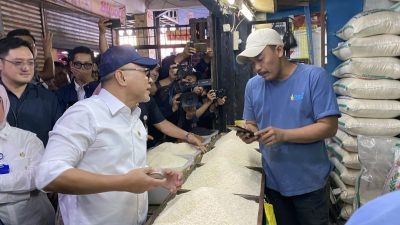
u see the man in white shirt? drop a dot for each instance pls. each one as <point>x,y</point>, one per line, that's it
<point>96,155</point>
<point>20,153</point>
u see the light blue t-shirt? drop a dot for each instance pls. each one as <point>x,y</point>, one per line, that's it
<point>306,96</point>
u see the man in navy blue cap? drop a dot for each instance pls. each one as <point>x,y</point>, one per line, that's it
<point>96,155</point>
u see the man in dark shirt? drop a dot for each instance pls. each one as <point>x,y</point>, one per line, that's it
<point>81,61</point>
<point>153,119</point>
<point>47,73</point>
<point>32,107</point>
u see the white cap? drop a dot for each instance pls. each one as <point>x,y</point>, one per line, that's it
<point>257,41</point>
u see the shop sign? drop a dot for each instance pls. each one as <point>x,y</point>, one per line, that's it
<point>106,8</point>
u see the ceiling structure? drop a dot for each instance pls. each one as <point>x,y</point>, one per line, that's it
<point>170,4</point>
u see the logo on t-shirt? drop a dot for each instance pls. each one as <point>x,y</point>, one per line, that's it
<point>296,97</point>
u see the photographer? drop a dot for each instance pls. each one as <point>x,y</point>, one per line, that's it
<point>186,100</point>
<point>213,98</point>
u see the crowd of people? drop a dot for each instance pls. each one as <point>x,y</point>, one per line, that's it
<point>79,129</point>
<point>83,129</point>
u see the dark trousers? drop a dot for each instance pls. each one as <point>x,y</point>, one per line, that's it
<point>306,209</point>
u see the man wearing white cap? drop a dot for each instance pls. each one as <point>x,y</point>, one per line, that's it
<point>291,108</point>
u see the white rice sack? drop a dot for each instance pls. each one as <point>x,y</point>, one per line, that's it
<point>208,206</point>
<point>368,89</point>
<point>369,127</point>
<point>226,176</point>
<point>369,23</point>
<point>396,7</point>
<point>236,152</point>
<point>346,141</point>
<point>369,108</point>
<point>349,160</point>
<point>379,45</point>
<point>348,176</point>
<point>346,211</point>
<point>369,68</point>
<point>347,193</point>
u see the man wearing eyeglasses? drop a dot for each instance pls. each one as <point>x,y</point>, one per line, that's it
<point>33,108</point>
<point>47,72</point>
<point>82,86</point>
<point>96,156</point>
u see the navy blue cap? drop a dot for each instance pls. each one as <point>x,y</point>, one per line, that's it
<point>118,56</point>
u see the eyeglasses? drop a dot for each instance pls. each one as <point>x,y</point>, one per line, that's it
<point>145,70</point>
<point>21,63</point>
<point>86,66</point>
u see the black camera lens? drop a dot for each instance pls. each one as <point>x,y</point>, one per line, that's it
<point>220,93</point>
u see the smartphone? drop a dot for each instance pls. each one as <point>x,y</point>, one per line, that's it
<point>240,129</point>
<point>200,47</point>
<point>115,23</point>
<point>157,174</point>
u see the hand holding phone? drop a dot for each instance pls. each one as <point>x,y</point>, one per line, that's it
<point>241,129</point>
<point>115,23</point>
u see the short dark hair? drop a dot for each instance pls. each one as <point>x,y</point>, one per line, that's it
<point>9,43</point>
<point>21,32</point>
<point>80,49</point>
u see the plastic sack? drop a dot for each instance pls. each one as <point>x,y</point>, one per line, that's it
<point>269,213</point>
<point>368,89</point>
<point>379,45</point>
<point>376,157</point>
<point>346,141</point>
<point>369,23</point>
<point>346,211</point>
<point>369,108</point>
<point>370,127</point>
<point>369,68</point>
<point>347,193</point>
<point>349,160</point>
<point>392,182</point>
<point>348,176</point>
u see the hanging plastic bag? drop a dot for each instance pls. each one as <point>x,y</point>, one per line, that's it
<point>269,213</point>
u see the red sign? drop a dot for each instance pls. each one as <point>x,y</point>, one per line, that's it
<point>178,35</point>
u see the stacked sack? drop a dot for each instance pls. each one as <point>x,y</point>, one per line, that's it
<point>369,89</point>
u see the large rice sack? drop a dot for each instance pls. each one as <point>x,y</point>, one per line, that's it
<point>369,127</point>
<point>348,159</point>
<point>347,193</point>
<point>348,176</point>
<point>369,68</point>
<point>369,23</point>
<point>379,45</point>
<point>346,141</point>
<point>369,108</point>
<point>346,211</point>
<point>368,89</point>
<point>376,156</point>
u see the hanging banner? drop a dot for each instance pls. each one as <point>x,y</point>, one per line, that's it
<point>106,8</point>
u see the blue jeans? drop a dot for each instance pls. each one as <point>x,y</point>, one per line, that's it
<point>306,209</point>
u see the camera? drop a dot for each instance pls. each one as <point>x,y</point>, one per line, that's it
<point>220,93</point>
<point>184,70</point>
